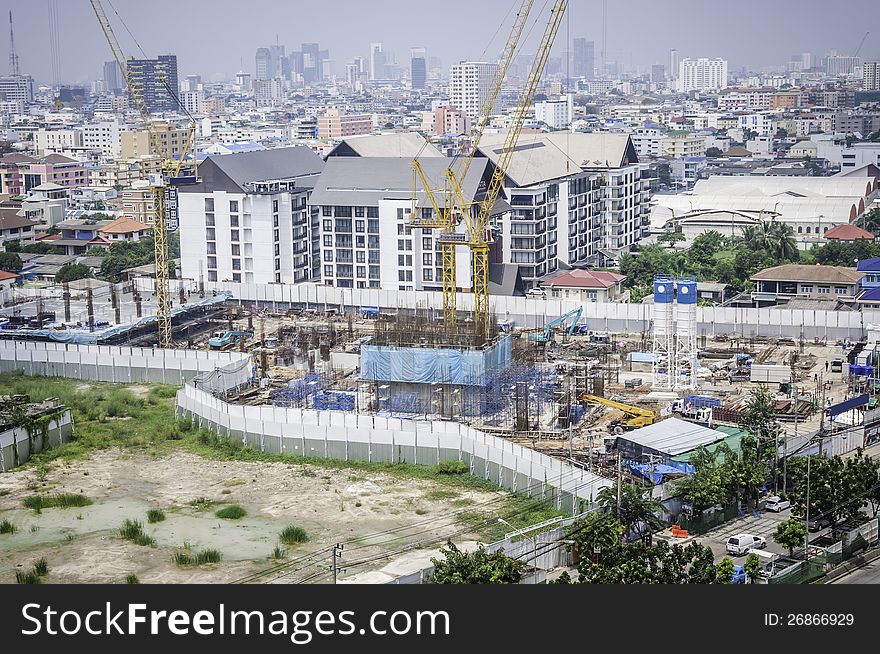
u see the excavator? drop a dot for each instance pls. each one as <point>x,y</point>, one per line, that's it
<point>636,416</point>
<point>574,315</point>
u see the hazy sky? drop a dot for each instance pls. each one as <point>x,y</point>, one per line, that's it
<point>218,37</point>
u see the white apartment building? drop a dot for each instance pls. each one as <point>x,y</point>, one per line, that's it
<point>104,136</point>
<point>871,76</point>
<point>760,123</point>
<point>469,85</point>
<point>648,142</point>
<point>702,74</point>
<point>49,141</point>
<point>362,232</point>
<point>192,101</point>
<point>860,154</point>
<point>556,114</point>
<point>580,198</point>
<point>733,99</point>
<point>683,144</point>
<point>248,220</point>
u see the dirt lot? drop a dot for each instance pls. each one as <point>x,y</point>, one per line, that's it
<point>82,545</point>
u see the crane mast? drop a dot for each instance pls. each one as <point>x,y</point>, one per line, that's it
<point>478,239</point>
<point>171,170</point>
<point>448,203</point>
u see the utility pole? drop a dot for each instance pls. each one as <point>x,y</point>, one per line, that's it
<point>336,554</point>
<point>807,517</point>
<point>90,309</point>
<point>66,302</point>
<point>619,480</point>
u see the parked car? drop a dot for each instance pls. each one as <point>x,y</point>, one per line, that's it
<point>742,543</point>
<point>537,292</point>
<point>776,504</point>
<point>819,524</point>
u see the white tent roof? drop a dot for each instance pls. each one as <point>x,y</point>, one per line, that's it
<point>673,436</point>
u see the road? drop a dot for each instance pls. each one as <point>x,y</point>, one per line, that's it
<point>762,524</point>
<point>867,574</point>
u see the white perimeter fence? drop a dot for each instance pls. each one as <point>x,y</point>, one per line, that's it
<point>534,313</point>
<point>207,375</point>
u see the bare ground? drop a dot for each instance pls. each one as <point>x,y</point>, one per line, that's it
<point>81,545</point>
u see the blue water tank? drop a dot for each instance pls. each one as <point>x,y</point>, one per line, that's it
<point>664,290</point>
<point>687,291</point>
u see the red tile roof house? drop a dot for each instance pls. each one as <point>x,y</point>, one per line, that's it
<point>585,286</point>
<point>124,229</point>
<point>7,280</point>
<point>848,233</point>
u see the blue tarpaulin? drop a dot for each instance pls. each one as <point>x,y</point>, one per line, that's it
<point>657,472</point>
<point>847,405</point>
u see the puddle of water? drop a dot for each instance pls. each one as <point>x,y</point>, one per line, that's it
<point>245,539</point>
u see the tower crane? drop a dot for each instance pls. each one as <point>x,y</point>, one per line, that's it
<point>446,211</point>
<point>454,206</point>
<point>164,185</point>
<point>861,43</point>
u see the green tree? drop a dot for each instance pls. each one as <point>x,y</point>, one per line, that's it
<point>714,152</point>
<point>870,221</point>
<point>834,489</point>
<point>790,534</point>
<point>671,238</point>
<point>783,245</point>
<point>10,262</point>
<point>39,248</point>
<point>759,419</point>
<point>637,511</point>
<point>752,566</point>
<point>704,488</point>
<point>700,255</point>
<point>72,271</point>
<point>12,246</point>
<point>724,571</point>
<point>478,567</point>
<point>781,133</point>
<point>596,535</point>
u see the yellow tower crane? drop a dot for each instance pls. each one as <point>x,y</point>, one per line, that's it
<point>163,187</point>
<point>445,207</point>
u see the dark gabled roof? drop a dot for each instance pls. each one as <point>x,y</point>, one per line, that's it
<point>9,220</point>
<point>363,181</point>
<point>57,159</point>
<point>232,172</point>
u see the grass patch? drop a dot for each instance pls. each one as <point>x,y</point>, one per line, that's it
<point>29,577</point>
<point>7,527</point>
<point>41,567</point>
<point>439,494</point>
<point>155,515</point>
<point>234,482</point>
<point>278,554</point>
<point>132,579</point>
<point>203,557</point>
<point>293,535</point>
<point>61,500</point>
<point>519,511</point>
<point>232,512</point>
<point>201,503</point>
<point>133,531</point>
<point>452,468</point>
<point>462,502</point>
<point>4,492</point>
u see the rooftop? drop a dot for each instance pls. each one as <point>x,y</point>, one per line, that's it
<point>796,272</point>
<point>233,172</point>
<point>582,278</point>
<point>398,144</point>
<point>124,225</point>
<point>848,232</point>
<point>673,436</point>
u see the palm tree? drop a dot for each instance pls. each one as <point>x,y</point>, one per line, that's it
<point>782,243</point>
<point>871,221</point>
<point>757,236</point>
<point>637,510</point>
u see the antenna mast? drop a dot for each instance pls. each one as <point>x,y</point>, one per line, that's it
<point>13,58</point>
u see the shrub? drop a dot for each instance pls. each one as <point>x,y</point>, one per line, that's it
<point>132,579</point>
<point>7,527</point>
<point>155,515</point>
<point>133,531</point>
<point>41,568</point>
<point>278,553</point>
<point>205,556</point>
<point>293,535</point>
<point>452,468</point>
<point>29,577</point>
<point>232,512</point>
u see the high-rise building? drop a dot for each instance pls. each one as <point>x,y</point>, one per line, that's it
<point>263,68</point>
<point>658,73</point>
<point>377,61</point>
<point>112,78</point>
<point>17,88</point>
<point>807,60</point>
<point>155,80</point>
<point>277,57</point>
<point>469,85</point>
<point>313,62</point>
<point>871,76</point>
<point>836,64</point>
<point>702,74</point>
<point>674,61</point>
<point>335,124</point>
<point>418,68</point>
<point>583,59</point>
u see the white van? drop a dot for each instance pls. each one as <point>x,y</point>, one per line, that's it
<point>537,293</point>
<point>742,543</point>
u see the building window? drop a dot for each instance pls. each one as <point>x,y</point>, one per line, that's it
<point>361,256</point>
<point>824,290</point>
<point>362,271</point>
<point>372,212</point>
<point>236,249</point>
<point>233,235</point>
<point>209,219</point>
<point>428,275</point>
<point>840,290</point>
<point>236,264</point>
<point>427,259</point>
<point>401,245</point>
<point>401,277</point>
<point>427,243</point>
<point>233,221</point>
<point>209,204</point>
<point>212,262</point>
<point>277,250</point>
<point>807,289</point>
<point>359,212</point>
<point>275,206</point>
<point>400,226</point>
<point>328,240</point>
<point>233,206</point>
<point>212,248</point>
<point>342,212</point>
<point>212,275</point>
<point>210,234</point>
<point>236,277</point>
<point>328,225</point>
<point>328,255</point>
<point>359,226</point>
<point>328,271</point>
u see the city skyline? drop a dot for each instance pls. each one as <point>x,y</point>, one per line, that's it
<point>693,30</point>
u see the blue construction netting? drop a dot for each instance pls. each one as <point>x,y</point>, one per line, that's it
<point>502,388</point>
<point>406,403</point>
<point>299,391</point>
<point>335,401</point>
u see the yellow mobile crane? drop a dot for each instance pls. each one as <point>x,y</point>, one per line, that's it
<point>163,187</point>
<point>637,416</point>
<point>446,203</point>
